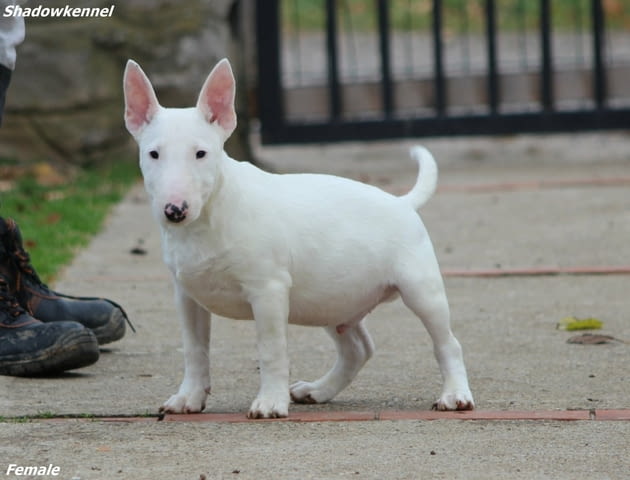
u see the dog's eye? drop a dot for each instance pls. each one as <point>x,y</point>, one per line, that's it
<point>200,153</point>
<point>154,154</point>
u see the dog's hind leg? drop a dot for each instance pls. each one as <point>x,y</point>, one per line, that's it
<point>354,348</point>
<point>422,290</point>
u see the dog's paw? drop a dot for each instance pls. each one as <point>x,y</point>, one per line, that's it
<point>459,400</point>
<point>193,401</point>
<point>269,407</point>
<point>308,392</point>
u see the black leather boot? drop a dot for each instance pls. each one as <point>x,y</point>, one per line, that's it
<point>104,317</point>
<point>29,347</point>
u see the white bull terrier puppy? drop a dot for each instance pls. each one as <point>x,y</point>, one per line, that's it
<point>304,249</point>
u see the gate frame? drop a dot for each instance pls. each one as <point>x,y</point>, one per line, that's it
<point>276,128</point>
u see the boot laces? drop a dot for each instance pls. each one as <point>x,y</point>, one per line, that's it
<point>8,302</point>
<point>23,262</point>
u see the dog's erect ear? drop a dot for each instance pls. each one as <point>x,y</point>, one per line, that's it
<point>216,100</point>
<point>140,101</point>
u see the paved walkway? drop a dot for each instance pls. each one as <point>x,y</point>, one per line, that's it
<point>528,230</point>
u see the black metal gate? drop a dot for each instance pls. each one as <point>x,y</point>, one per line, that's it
<point>508,80</point>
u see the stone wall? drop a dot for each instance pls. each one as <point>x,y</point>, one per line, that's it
<point>65,102</point>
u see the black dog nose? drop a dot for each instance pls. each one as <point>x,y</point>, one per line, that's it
<point>174,213</point>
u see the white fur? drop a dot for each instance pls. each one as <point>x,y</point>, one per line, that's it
<point>302,248</point>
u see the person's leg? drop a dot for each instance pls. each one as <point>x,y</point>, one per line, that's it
<point>5,79</point>
<point>29,347</point>
<point>104,317</point>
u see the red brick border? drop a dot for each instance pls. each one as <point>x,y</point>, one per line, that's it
<point>447,272</point>
<point>534,185</point>
<point>538,271</point>
<point>623,415</point>
<point>368,416</point>
<point>420,415</point>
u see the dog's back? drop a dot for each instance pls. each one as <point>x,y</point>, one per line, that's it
<point>336,238</point>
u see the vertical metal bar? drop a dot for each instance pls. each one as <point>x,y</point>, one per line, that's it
<point>382,11</point>
<point>546,73</point>
<point>491,39</point>
<point>333,67</point>
<point>270,99</point>
<point>599,71</point>
<point>439,79</point>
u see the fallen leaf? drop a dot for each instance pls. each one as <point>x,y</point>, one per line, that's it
<point>55,195</point>
<point>53,218</point>
<point>46,175</point>
<point>593,339</point>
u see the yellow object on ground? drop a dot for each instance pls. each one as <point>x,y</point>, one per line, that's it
<point>572,323</point>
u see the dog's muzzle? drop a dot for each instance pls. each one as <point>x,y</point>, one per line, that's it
<point>176,213</point>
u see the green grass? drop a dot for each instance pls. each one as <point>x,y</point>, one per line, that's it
<point>28,418</point>
<point>405,15</point>
<point>57,221</point>
<point>47,415</point>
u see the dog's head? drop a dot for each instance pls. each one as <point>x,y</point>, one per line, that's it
<point>180,148</point>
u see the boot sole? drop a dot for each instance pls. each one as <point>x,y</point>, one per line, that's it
<point>75,349</point>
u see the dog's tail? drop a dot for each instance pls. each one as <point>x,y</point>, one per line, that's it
<point>427,178</point>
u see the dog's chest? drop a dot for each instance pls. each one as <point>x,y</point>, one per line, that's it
<point>208,272</point>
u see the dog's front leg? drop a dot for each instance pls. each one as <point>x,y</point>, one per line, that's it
<point>195,387</point>
<point>271,312</point>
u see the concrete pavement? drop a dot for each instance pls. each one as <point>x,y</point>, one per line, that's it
<point>505,205</point>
